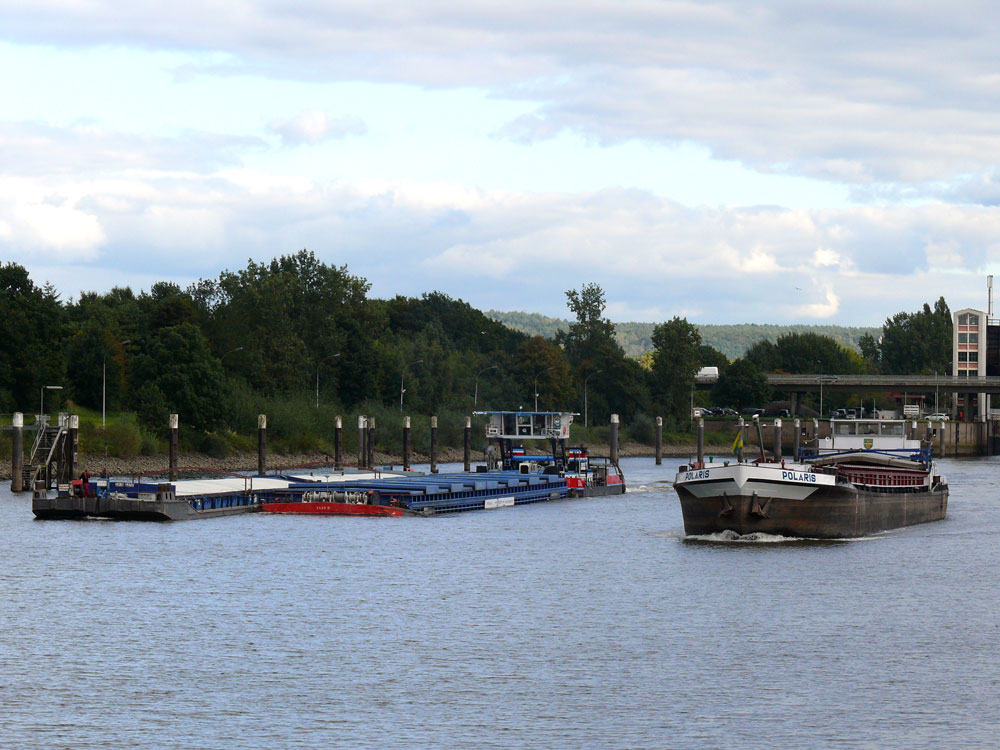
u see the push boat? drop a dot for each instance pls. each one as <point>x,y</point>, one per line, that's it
<point>867,477</point>
<point>507,431</point>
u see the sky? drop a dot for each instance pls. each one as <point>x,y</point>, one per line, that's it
<point>729,162</point>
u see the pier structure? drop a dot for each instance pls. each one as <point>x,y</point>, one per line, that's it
<point>52,457</point>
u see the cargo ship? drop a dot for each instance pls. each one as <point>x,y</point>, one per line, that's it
<point>867,477</point>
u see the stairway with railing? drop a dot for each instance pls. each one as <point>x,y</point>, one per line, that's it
<point>44,451</point>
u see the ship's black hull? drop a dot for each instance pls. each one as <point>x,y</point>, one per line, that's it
<point>839,512</point>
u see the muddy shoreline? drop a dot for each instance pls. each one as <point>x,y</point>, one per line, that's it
<point>242,462</point>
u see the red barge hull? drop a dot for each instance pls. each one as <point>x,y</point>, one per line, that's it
<point>332,509</point>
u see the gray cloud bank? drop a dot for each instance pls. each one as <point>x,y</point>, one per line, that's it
<point>877,95</point>
<point>656,258</point>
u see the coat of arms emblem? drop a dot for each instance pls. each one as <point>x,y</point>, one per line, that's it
<point>868,443</point>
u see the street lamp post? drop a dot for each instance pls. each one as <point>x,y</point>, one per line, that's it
<point>402,390</point>
<point>586,421</point>
<point>824,379</point>
<point>321,362</point>
<point>41,408</point>
<point>536,383</point>
<point>475,397</point>
<point>104,383</point>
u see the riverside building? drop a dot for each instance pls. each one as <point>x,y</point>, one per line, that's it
<point>975,352</point>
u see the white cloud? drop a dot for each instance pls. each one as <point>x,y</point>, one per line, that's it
<point>829,307</point>
<point>497,249</point>
<point>312,127</point>
<point>828,91</point>
<point>824,257</point>
<point>47,222</point>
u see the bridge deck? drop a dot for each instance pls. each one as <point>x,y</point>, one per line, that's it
<point>912,383</point>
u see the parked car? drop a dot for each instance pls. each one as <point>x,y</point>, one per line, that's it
<point>938,417</point>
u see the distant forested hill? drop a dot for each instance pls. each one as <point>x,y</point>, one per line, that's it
<point>731,340</point>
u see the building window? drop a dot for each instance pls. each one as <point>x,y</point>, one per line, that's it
<point>963,373</point>
<point>963,320</point>
<point>963,338</point>
<point>963,356</point>
<point>973,320</point>
<point>973,338</point>
<point>973,356</point>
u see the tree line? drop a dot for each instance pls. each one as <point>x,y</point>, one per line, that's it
<point>295,327</point>
<point>297,330</point>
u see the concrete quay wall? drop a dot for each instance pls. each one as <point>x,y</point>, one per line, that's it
<point>948,439</point>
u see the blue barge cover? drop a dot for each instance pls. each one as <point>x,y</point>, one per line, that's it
<point>449,493</point>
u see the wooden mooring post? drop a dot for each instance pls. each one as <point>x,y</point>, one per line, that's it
<point>174,430</point>
<point>17,453</point>
<point>338,440</point>
<point>659,441</point>
<point>371,443</point>
<point>467,445</point>
<point>406,443</point>
<point>362,440</point>
<point>613,439</point>
<point>261,444</point>
<point>796,440</point>
<point>434,445</point>
<point>701,440</point>
<point>777,440</point>
<point>71,449</point>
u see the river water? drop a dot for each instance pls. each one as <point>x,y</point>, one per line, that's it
<point>579,624</point>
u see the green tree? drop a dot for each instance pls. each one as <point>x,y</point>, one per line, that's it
<point>176,371</point>
<point>607,381</point>
<point>870,352</point>
<point>289,318</point>
<point>915,343</point>
<point>592,336</point>
<point>802,353</point>
<point>742,385</point>
<point>32,330</point>
<point>543,363</point>
<point>675,362</point>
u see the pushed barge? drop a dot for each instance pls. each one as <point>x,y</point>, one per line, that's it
<point>419,494</point>
<point>182,500</point>
<point>864,479</point>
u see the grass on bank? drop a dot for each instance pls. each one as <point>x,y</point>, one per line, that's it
<point>296,426</point>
